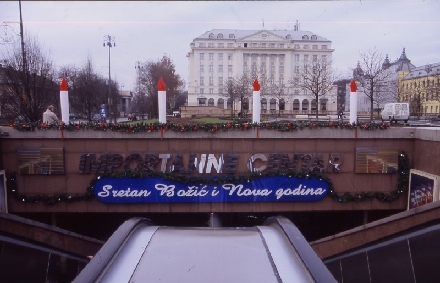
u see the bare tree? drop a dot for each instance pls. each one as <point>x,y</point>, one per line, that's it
<point>315,79</point>
<point>149,77</point>
<point>239,89</point>
<point>28,80</point>
<point>374,79</point>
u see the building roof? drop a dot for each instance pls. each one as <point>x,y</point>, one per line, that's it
<point>424,71</point>
<point>228,34</point>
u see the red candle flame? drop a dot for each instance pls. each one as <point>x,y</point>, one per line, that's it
<point>63,85</point>
<point>353,87</point>
<point>256,85</point>
<point>161,85</point>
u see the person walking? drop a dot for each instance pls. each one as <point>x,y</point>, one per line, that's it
<point>49,117</point>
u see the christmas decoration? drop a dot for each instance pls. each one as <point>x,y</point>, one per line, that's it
<point>402,187</point>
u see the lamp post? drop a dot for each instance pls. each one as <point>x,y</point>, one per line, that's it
<point>109,41</point>
<point>138,67</point>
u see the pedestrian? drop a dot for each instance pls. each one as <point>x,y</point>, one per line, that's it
<point>340,113</point>
<point>49,117</point>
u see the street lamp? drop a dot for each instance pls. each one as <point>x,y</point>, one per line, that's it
<point>109,41</point>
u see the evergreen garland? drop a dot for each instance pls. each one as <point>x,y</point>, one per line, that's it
<point>203,127</point>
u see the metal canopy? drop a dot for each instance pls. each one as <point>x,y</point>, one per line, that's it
<point>141,252</point>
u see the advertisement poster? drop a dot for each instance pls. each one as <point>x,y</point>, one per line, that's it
<point>422,188</point>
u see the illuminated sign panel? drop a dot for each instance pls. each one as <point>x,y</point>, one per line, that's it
<point>159,190</point>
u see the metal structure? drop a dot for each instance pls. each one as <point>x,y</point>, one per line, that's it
<point>110,42</point>
<point>141,252</point>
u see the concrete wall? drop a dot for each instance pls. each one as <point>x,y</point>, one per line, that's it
<point>420,144</point>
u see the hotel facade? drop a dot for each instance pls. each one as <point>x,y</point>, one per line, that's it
<point>221,55</point>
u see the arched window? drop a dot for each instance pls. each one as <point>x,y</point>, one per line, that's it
<point>295,104</point>
<point>282,105</point>
<point>211,35</point>
<point>264,104</point>
<point>211,102</point>
<point>202,100</point>
<point>232,35</point>
<point>220,35</point>
<point>245,104</point>
<point>305,105</point>
<point>288,36</point>
<point>323,104</point>
<point>313,104</point>
<point>229,104</point>
<point>314,37</point>
<point>273,104</point>
<point>221,103</point>
<point>305,37</point>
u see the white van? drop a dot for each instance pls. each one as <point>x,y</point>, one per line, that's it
<point>396,112</point>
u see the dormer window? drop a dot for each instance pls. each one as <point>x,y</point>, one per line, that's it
<point>211,35</point>
<point>220,35</point>
<point>314,37</point>
<point>305,37</point>
<point>288,36</point>
<point>232,35</point>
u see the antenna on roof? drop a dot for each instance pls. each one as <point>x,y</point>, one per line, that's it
<point>263,23</point>
<point>296,28</point>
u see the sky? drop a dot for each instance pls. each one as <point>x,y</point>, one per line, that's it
<point>144,31</point>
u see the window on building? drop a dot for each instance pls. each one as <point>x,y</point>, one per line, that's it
<point>295,104</point>
<point>314,37</point>
<point>254,57</point>
<point>324,59</point>
<point>210,45</point>
<point>306,58</point>
<point>202,56</point>
<point>211,68</point>
<point>315,58</point>
<point>220,81</point>
<point>323,46</point>
<point>281,45</point>
<point>220,35</point>
<point>263,104</point>
<point>245,104</point>
<point>221,103</point>
<point>281,57</point>
<point>282,104</point>
<point>255,45</point>
<point>202,90</point>
<point>273,104</point>
<point>273,57</point>
<point>323,104</point>
<point>245,67</point>
<point>305,105</point>
<point>202,101</point>
<point>201,44</point>
<point>211,102</point>
<point>306,46</point>
<point>221,45</point>
<point>211,91</point>
<point>272,68</point>
<point>313,105</point>
<point>230,56</point>
<point>263,57</point>
<point>245,57</point>
<point>202,80</point>
<point>263,45</point>
<point>231,35</point>
<point>211,56</point>
<point>281,69</point>
<point>296,46</point>
<point>211,80</point>
<point>229,104</point>
<point>211,35</point>
<point>202,68</point>
<point>272,45</point>
<point>305,37</point>
<point>296,70</point>
<point>230,45</point>
<point>230,68</point>
<point>220,68</point>
<point>296,57</point>
<point>220,56</point>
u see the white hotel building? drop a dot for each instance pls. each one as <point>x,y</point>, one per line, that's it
<point>223,54</point>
